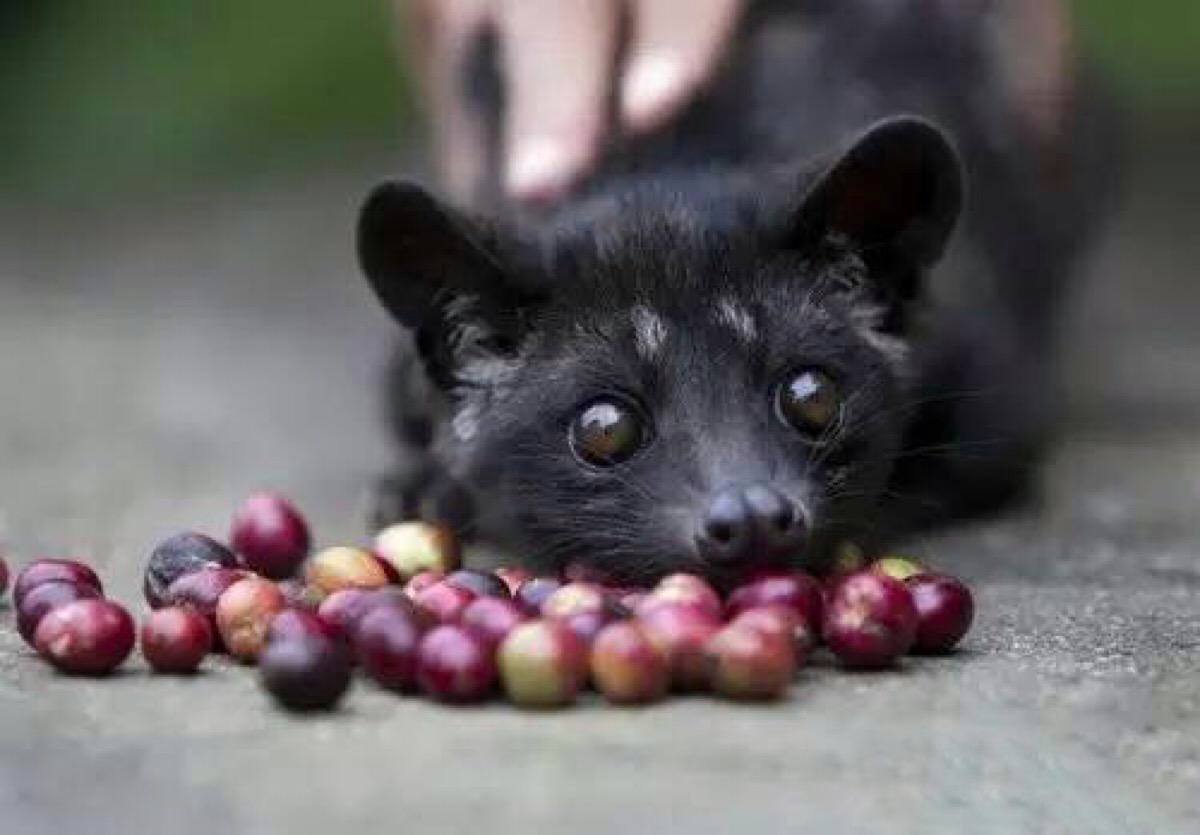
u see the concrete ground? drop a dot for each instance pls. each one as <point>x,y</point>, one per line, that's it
<point>156,363</point>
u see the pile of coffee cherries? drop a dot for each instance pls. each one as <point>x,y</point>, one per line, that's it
<point>413,620</point>
<point>62,612</point>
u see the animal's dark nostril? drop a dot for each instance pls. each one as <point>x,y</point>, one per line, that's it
<point>725,521</point>
<point>783,519</point>
<point>754,522</point>
<point>720,531</point>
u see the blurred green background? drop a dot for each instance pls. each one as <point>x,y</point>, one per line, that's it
<point>101,99</point>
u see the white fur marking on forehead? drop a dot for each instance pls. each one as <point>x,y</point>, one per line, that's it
<point>482,377</point>
<point>649,332</point>
<point>866,319</point>
<point>733,315</point>
<point>483,382</point>
<point>465,423</point>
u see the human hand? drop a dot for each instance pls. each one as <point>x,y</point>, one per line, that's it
<point>560,68</point>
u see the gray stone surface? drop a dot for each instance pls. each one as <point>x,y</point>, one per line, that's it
<point>157,363</point>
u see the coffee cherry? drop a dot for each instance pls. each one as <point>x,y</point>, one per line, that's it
<point>244,614</point>
<point>491,619</point>
<point>413,547</point>
<point>794,589</point>
<point>681,632</point>
<point>513,577</point>
<point>47,570</point>
<point>175,640</point>
<point>86,637</point>
<point>573,599</point>
<point>687,589</point>
<point>200,590</point>
<point>269,535</point>
<point>870,620</point>
<point>583,607</point>
<point>297,623</point>
<point>627,667</point>
<point>542,664</point>
<point>748,663</point>
<point>898,568</point>
<point>455,666</point>
<point>945,610</point>
<point>421,581</point>
<point>481,583</point>
<point>44,598</point>
<point>345,608</point>
<point>178,556</point>
<point>588,624</point>
<point>532,594</point>
<point>342,568</point>
<point>784,622</point>
<point>306,673</point>
<point>444,602</point>
<point>386,644</point>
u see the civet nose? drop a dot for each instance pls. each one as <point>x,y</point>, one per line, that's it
<point>750,523</point>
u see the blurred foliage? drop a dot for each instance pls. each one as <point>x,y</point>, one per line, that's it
<point>99,94</point>
<point>1149,50</point>
<point>98,97</point>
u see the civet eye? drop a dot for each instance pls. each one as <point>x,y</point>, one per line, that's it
<point>808,401</point>
<point>607,432</point>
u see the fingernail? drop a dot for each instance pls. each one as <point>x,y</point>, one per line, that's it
<point>541,169</point>
<point>651,89</point>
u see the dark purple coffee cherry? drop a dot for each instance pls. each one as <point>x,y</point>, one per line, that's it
<point>182,554</point>
<point>306,672</point>
<point>531,594</point>
<point>482,583</point>
<point>386,645</point>
<point>49,570</point>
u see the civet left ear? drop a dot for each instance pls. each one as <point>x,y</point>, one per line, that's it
<point>441,274</point>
